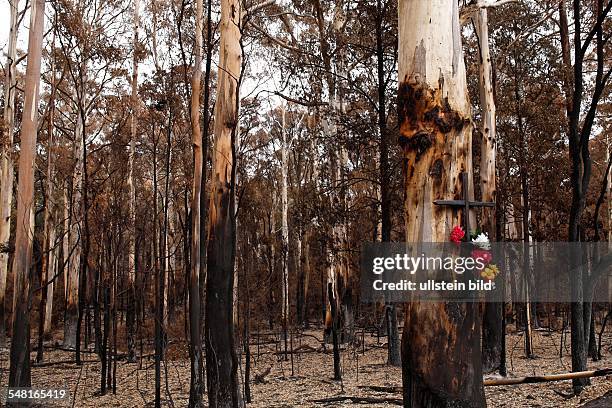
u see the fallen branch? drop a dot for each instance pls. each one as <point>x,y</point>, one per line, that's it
<point>67,362</point>
<point>513,381</point>
<point>359,400</point>
<point>546,378</point>
<point>378,388</point>
<point>304,348</point>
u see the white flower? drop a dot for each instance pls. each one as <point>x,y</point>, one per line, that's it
<point>482,241</point>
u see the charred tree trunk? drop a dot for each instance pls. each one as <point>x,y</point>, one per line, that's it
<point>579,132</point>
<point>20,375</point>
<point>157,280</point>
<point>303,280</point>
<point>492,335</point>
<point>221,361</point>
<point>334,330</point>
<point>393,347</point>
<point>441,357</point>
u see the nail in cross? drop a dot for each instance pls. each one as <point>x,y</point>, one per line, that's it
<point>466,204</point>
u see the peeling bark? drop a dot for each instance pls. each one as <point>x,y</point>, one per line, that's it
<point>6,160</point>
<point>221,360</point>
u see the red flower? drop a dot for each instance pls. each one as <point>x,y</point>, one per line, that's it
<point>457,234</point>
<point>482,254</point>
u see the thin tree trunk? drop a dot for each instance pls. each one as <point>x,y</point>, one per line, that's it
<point>85,237</point>
<point>20,375</point>
<point>74,289</point>
<point>393,345</point>
<point>131,295</point>
<point>6,161</point>
<point>165,229</point>
<point>304,279</point>
<point>48,261</point>
<point>195,344</point>
<point>284,228</point>
<point>66,244</point>
<point>221,361</point>
<point>492,319</point>
<point>157,282</point>
<point>441,358</point>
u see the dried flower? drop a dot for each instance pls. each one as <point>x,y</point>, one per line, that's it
<point>482,241</point>
<point>490,272</point>
<point>457,234</point>
<point>482,254</point>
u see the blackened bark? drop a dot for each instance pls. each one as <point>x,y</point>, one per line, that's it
<point>84,261</point>
<point>492,337</point>
<point>579,132</point>
<point>104,346</point>
<point>393,345</point>
<point>592,340</point>
<point>334,331</point>
<point>222,380</point>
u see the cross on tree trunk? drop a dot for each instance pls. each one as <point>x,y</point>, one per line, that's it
<point>466,204</point>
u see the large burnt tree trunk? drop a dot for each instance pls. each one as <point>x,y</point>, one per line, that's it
<point>20,375</point>
<point>441,360</point>
<point>221,360</point>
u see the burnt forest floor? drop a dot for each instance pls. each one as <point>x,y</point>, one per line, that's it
<point>366,379</point>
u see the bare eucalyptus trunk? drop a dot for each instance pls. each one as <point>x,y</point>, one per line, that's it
<point>74,289</point>
<point>66,240</point>
<point>195,344</point>
<point>6,161</point>
<point>48,261</point>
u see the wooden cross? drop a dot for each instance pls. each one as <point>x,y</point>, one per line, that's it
<point>466,204</point>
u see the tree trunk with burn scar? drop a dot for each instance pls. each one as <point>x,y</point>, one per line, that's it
<point>221,360</point>
<point>492,335</point>
<point>20,372</point>
<point>441,342</point>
